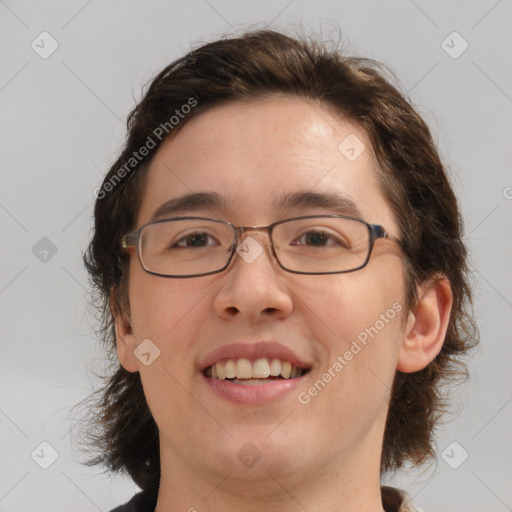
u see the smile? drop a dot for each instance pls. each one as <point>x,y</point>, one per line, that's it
<point>253,372</point>
<point>243,371</point>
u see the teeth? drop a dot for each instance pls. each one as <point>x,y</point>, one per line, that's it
<point>230,369</point>
<point>221,372</point>
<point>275,368</point>
<point>295,372</point>
<point>261,369</point>
<point>243,369</point>
<point>286,369</point>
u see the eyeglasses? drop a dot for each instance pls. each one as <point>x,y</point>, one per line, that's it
<point>198,246</point>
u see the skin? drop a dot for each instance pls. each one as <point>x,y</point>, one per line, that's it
<point>324,455</point>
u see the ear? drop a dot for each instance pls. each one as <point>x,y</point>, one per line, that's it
<point>125,341</point>
<point>426,325</point>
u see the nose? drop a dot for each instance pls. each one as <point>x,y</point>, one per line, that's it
<point>253,285</point>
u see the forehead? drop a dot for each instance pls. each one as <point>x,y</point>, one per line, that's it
<point>255,153</point>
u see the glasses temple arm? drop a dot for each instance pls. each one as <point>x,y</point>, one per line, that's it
<point>129,240</point>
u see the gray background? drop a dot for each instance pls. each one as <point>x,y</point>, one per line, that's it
<point>61,127</point>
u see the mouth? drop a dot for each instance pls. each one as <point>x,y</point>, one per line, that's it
<point>253,373</point>
<point>247,372</point>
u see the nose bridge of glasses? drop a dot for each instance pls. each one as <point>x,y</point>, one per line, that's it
<point>261,242</point>
<point>244,229</point>
<point>243,232</point>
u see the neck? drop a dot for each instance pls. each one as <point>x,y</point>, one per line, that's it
<point>337,486</point>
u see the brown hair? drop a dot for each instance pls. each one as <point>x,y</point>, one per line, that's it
<point>412,178</point>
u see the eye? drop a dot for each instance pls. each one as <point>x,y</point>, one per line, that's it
<point>199,239</point>
<point>319,238</point>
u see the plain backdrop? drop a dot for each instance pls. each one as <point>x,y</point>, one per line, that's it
<point>62,125</point>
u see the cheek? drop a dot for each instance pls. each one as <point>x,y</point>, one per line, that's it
<point>169,313</point>
<point>159,305</point>
<point>367,339</point>
<point>344,306</point>
<point>351,390</point>
<point>357,319</point>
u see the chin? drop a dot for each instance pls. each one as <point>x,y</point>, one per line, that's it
<point>253,454</point>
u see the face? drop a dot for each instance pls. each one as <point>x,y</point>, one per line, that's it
<point>343,330</point>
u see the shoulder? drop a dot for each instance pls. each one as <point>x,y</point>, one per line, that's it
<point>141,502</point>
<point>396,500</point>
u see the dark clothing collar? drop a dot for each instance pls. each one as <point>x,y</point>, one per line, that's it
<point>393,500</point>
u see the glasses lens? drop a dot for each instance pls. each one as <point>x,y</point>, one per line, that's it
<point>322,244</point>
<point>186,247</point>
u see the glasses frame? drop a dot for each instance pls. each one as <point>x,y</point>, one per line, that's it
<point>375,231</point>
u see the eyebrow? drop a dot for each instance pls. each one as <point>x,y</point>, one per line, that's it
<point>302,200</point>
<point>292,201</point>
<point>188,202</point>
